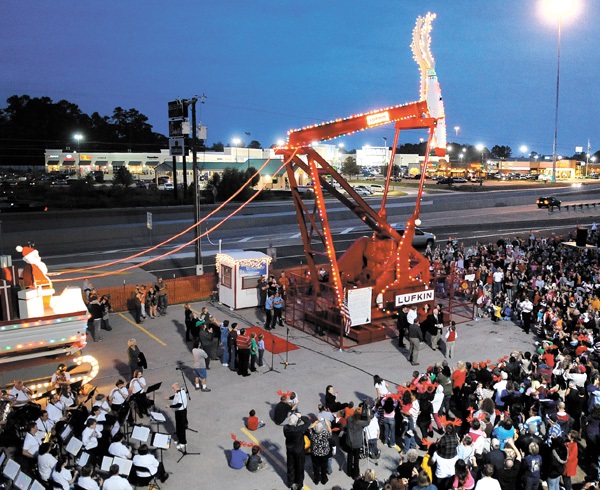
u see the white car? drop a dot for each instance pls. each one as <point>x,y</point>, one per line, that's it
<point>363,190</point>
<point>169,186</point>
<point>421,238</point>
<point>377,188</point>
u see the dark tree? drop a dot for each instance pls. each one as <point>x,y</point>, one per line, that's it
<point>122,177</point>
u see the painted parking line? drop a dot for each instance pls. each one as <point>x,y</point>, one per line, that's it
<point>295,235</point>
<point>247,239</point>
<point>346,231</point>
<point>142,329</point>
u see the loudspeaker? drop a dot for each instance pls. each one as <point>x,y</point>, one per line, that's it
<point>581,238</point>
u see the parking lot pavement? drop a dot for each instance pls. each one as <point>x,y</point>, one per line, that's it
<point>219,415</point>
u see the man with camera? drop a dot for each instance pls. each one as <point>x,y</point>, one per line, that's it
<point>360,419</point>
<point>294,447</point>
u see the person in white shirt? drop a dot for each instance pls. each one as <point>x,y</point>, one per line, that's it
<point>55,409</point>
<point>117,398</point>
<point>137,390</point>
<point>87,481</point>
<point>46,462</point>
<point>116,482</point>
<point>61,377</point>
<point>44,425</point>
<point>117,448</point>
<point>31,445</point>
<point>151,465</point>
<point>20,395</point>
<point>62,475</point>
<point>90,435</point>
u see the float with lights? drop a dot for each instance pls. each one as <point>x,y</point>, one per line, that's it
<point>46,324</point>
<point>385,263</point>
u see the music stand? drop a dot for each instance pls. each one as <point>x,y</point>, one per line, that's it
<point>36,485</point>
<point>124,465</point>
<point>287,350</point>
<point>73,447</point>
<point>157,418</point>
<point>22,481</point>
<point>162,442</point>
<point>140,433</point>
<point>152,389</point>
<point>90,396</point>
<point>11,469</point>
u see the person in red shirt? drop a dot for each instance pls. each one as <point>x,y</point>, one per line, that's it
<point>253,423</point>
<point>572,458</point>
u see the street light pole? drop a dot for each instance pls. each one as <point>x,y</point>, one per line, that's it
<point>248,148</point>
<point>556,104</point>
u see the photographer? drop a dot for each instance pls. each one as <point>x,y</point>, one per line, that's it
<point>294,447</point>
<point>354,438</point>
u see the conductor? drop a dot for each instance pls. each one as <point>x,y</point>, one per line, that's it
<point>179,403</point>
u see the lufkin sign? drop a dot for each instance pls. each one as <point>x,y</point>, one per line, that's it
<point>418,297</point>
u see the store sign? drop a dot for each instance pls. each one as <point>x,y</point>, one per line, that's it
<point>417,297</point>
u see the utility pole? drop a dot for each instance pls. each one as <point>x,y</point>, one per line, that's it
<point>198,228</point>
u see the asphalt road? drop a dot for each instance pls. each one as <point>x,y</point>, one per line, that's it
<point>469,213</point>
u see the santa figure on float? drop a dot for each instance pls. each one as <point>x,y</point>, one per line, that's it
<point>35,272</point>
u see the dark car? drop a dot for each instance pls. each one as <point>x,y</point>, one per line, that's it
<point>445,181</point>
<point>548,202</point>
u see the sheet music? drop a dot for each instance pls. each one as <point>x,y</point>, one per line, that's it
<point>157,417</point>
<point>115,429</point>
<point>140,433</point>
<point>36,485</point>
<point>106,462</point>
<point>74,446</point>
<point>23,481</point>
<point>124,465</point>
<point>83,459</point>
<point>11,469</point>
<point>161,441</point>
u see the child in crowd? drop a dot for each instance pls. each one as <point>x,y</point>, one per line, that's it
<point>238,457</point>
<point>261,349</point>
<point>253,423</point>
<point>451,337</point>
<point>255,462</point>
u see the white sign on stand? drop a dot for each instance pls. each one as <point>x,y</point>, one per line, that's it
<point>359,305</point>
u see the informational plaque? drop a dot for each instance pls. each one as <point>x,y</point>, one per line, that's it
<point>359,305</point>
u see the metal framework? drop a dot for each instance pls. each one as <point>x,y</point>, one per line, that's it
<point>386,260</point>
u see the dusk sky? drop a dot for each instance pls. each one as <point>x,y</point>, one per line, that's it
<point>267,66</point>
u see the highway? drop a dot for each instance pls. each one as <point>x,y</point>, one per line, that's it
<point>70,238</point>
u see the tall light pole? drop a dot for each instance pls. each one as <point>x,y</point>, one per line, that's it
<point>248,148</point>
<point>558,9</point>
<point>78,137</point>
<point>456,129</point>
<point>236,142</point>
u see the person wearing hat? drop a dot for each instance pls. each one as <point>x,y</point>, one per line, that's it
<point>293,432</point>
<point>35,273</point>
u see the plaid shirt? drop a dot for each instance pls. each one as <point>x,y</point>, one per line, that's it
<point>446,446</point>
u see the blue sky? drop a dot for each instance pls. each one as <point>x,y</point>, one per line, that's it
<point>267,66</point>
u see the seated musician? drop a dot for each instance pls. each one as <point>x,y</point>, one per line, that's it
<point>31,447</point>
<point>93,415</point>
<point>20,394</point>
<point>46,461</point>
<point>61,377</point>
<point>87,480</point>
<point>68,397</point>
<point>63,475</point>
<point>90,437</point>
<point>151,465</point>
<point>117,448</point>
<point>45,427</point>
<point>56,408</point>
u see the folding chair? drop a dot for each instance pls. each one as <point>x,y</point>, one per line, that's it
<point>143,481</point>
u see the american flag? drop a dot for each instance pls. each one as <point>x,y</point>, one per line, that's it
<point>346,315</point>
